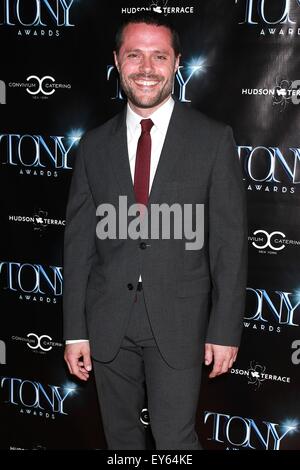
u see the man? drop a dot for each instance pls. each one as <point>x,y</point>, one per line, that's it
<point>147,309</point>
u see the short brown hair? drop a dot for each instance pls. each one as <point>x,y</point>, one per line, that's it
<point>152,19</point>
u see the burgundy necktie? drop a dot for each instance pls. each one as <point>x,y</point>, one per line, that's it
<point>142,163</point>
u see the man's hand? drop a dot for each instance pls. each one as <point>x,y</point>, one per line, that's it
<point>79,368</point>
<point>222,358</point>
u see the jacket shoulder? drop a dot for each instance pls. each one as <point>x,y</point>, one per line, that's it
<point>100,133</point>
<point>196,119</point>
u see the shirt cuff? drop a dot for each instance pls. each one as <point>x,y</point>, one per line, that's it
<point>73,341</point>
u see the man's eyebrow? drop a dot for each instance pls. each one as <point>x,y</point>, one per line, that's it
<point>156,51</point>
<point>161,51</point>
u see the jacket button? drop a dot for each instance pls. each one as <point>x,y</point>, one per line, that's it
<point>130,286</point>
<point>143,246</point>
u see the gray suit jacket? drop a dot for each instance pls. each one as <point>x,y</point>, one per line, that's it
<point>192,296</point>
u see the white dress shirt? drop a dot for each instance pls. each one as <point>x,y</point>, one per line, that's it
<point>160,118</point>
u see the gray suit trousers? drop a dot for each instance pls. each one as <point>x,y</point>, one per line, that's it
<point>137,371</point>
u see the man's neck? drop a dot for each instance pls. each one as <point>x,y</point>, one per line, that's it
<point>146,112</point>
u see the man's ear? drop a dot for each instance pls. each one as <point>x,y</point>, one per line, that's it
<point>177,62</point>
<point>116,60</point>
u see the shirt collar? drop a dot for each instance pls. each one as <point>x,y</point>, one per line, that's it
<point>161,117</point>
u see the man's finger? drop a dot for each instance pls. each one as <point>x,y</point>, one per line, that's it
<point>87,362</point>
<point>216,369</point>
<point>80,373</point>
<point>74,367</point>
<point>69,366</point>
<point>78,359</point>
<point>208,355</point>
<point>225,367</point>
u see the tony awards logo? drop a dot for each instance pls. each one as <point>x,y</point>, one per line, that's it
<point>37,155</point>
<point>32,282</point>
<point>235,432</point>
<point>270,169</point>
<point>272,18</point>
<point>36,17</point>
<point>183,79</point>
<point>270,311</point>
<point>34,398</point>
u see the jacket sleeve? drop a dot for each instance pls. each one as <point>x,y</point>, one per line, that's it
<point>79,249</point>
<point>227,245</point>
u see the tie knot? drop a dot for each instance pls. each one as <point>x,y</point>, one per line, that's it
<point>146,125</point>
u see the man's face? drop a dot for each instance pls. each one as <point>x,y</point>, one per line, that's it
<point>147,64</point>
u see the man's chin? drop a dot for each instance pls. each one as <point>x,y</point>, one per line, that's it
<point>141,105</point>
<point>146,104</point>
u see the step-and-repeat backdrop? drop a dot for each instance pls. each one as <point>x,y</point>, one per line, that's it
<point>57,80</point>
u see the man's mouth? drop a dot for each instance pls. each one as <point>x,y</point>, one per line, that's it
<point>146,83</point>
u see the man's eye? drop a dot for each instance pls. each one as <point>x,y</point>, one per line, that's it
<point>132,55</point>
<point>161,57</point>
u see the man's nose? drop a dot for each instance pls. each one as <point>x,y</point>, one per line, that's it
<point>146,64</point>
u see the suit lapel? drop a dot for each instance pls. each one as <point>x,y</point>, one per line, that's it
<point>172,150</point>
<point>120,160</point>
